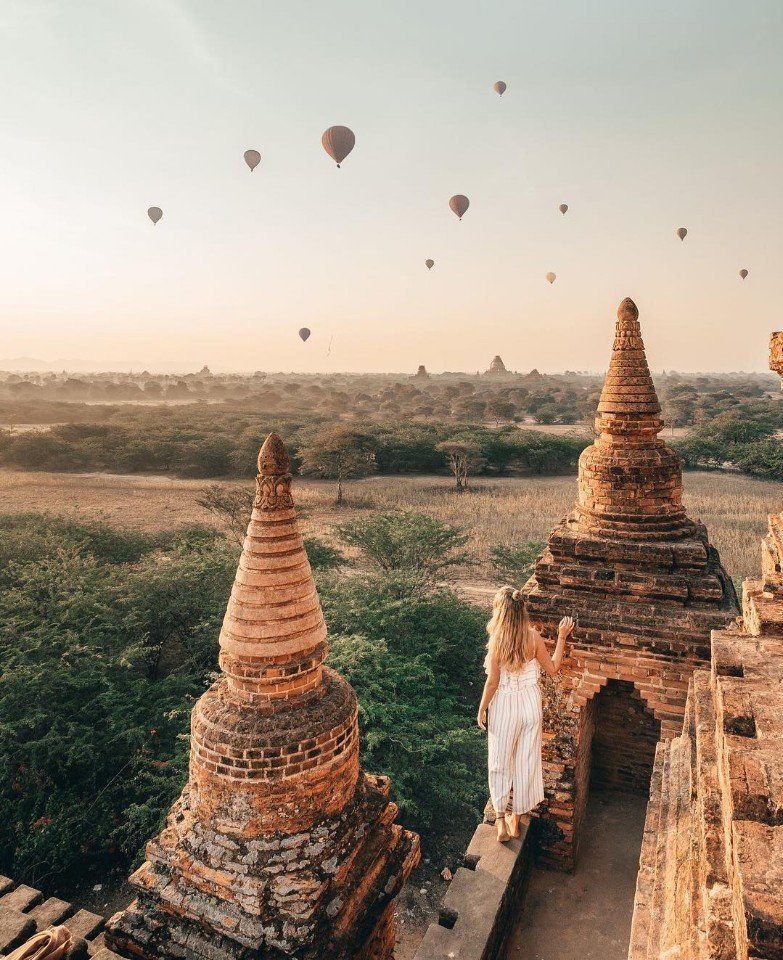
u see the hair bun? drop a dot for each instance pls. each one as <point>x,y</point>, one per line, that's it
<point>516,596</point>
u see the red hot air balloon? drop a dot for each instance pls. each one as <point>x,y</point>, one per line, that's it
<point>499,87</point>
<point>429,264</point>
<point>304,333</point>
<point>154,213</point>
<point>252,159</point>
<point>743,273</point>
<point>682,233</point>
<point>338,143</point>
<point>459,204</point>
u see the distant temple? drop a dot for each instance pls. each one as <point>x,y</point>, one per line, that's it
<point>279,846</point>
<point>421,373</point>
<point>646,588</point>
<point>497,366</point>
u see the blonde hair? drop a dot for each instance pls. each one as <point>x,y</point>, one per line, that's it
<point>511,638</point>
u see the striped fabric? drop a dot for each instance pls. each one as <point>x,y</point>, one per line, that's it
<point>515,741</point>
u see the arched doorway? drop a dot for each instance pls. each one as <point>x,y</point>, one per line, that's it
<point>625,733</point>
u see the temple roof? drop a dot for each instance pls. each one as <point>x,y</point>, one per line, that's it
<point>628,388</point>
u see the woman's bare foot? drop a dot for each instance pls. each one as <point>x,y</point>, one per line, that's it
<point>512,822</point>
<point>500,823</point>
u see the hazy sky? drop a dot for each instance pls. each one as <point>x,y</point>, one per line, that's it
<point>642,115</point>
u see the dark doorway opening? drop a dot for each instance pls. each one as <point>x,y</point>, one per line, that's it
<point>625,733</point>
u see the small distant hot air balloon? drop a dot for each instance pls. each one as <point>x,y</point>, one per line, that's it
<point>499,87</point>
<point>431,263</point>
<point>252,159</point>
<point>563,208</point>
<point>154,213</point>
<point>743,273</point>
<point>304,333</point>
<point>338,143</point>
<point>459,204</point>
<point>551,277</point>
<point>682,233</point>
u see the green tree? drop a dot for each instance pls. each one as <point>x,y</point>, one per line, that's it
<point>464,459</point>
<point>338,453</point>
<point>409,543</point>
<point>515,564</point>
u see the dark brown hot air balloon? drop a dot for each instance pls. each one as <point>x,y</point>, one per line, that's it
<point>743,273</point>
<point>338,143</point>
<point>304,333</point>
<point>499,87</point>
<point>551,277</point>
<point>459,204</point>
<point>429,264</point>
<point>682,233</point>
<point>563,208</point>
<point>252,159</point>
<point>154,213</point>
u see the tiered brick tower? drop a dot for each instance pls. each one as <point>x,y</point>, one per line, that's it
<point>497,366</point>
<point>646,587</point>
<point>279,845</point>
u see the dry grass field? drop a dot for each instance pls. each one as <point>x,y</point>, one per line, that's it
<point>502,511</point>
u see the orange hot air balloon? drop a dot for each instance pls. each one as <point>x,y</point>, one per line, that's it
<point>252,159</point>
<point>682,233</point>
<point>743,273</point>
<point>563,208</point>
<point>304,333</point>
<point>154,213</point>
<point>429,264</point>
<point>338,143</point>
<point>459,204</point>
<point>551,277</point>
<point>499,87</point>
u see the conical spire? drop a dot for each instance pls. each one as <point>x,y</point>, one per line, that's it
<point>628,388</point>
<point>273,639</point>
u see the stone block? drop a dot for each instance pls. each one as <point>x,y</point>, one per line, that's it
<point>15,928</point>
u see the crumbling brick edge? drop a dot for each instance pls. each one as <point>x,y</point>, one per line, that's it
<point>483,899</point>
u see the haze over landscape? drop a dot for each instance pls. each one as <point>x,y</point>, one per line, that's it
<point>641,117</point>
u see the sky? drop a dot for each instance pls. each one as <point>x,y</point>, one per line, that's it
<point>642,115</point>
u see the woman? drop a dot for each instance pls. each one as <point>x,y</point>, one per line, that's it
<point>515,651</point>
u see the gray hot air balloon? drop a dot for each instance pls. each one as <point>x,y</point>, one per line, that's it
<point>338,143</point>
<point>459,204</point>
<point>682,233</point>
<point>499,87</point>
<point>563,208</point>
<point>743,273</point>
<point>304,333</point>
<point>551,277</point>
<point>154,213</point>
<point>431,263</point>
<point>252,159</point>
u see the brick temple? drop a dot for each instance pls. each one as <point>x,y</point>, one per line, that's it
<point>647,588</point>
<point>279,846</point>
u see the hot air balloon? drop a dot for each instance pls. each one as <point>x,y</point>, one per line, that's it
<point>252,159</point>
<point>743,273</point>
<point>304,333</point>
<point>459,204</point>
<point>682,233</point>
<point>551,277</point>
<point>431,263</point>
<point>563,208</point>
<point>154,213</point>
<point>499,88</point>
<point>338,143</point>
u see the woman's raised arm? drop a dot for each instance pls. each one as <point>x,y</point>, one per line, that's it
<point>552,664</point>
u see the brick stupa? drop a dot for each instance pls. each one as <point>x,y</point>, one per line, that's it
<point>497,366</point>
<point>646,587</point>
<point>279,846</point>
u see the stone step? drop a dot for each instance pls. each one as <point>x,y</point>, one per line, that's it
<point>678,887</point>
<point>657,891</point>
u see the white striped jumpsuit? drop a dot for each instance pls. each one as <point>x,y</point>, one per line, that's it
<point>515,740</point>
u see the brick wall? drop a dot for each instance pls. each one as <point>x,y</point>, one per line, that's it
<point>623,745</point>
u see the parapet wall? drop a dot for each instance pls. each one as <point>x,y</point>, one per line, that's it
<point>486,891</point>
